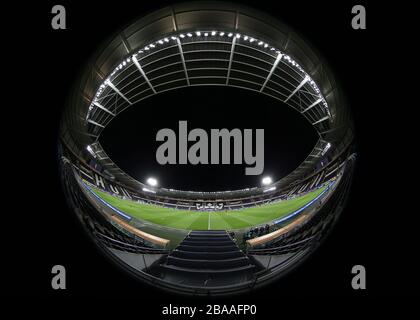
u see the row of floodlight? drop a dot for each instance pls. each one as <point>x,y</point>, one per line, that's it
<point>164,40</point>
<point>153,182</point>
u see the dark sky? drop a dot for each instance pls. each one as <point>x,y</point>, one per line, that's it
<point>130,139</point>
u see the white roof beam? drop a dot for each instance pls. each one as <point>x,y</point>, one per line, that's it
<point>183,60</point>
<point>103,108</point>
<point>275,64</point>
<point>95,123</point>
<point>297,88</point>
<point>320,120</point>
<point>136,62</point>
<point>232,51</point>
<point>111,85</point>
<point>312,105</point>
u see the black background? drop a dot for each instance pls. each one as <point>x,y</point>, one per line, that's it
<point>39,230</point>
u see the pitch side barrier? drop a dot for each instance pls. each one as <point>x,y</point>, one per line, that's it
<point>101,225</point>
<point>331,202</point>
<point>124,223</point>
<point>271,236</point>
<point>298,221</point>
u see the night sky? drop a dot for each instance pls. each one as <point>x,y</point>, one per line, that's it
<point>130,139</point>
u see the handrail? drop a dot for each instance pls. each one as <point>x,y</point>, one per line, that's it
<point>147,236</point>
<point>132,246</point>
<point>275,234</point>
<point>288,246</point>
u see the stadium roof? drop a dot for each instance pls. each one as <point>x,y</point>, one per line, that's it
<point>195,44</point>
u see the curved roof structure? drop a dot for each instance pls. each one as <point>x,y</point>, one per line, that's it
<point>196,44</point>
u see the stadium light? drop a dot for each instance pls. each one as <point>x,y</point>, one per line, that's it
<point>90,150</point>
<point>148,190</point>
<point>152,182</point>
<point>327,147</point>
<point>266,181</point>
<point>270,189</point>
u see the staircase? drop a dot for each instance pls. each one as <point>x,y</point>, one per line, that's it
<point>211,258</point>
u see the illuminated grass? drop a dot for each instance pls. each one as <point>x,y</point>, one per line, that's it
<point>199,220</point>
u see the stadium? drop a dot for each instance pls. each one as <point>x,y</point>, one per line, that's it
<point>206,242</point>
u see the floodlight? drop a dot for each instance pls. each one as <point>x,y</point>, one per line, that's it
<point>266,181</point>
<point>152,181</point>
<point>91,151</point>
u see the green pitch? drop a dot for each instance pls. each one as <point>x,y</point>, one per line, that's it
<point>203,220</point>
